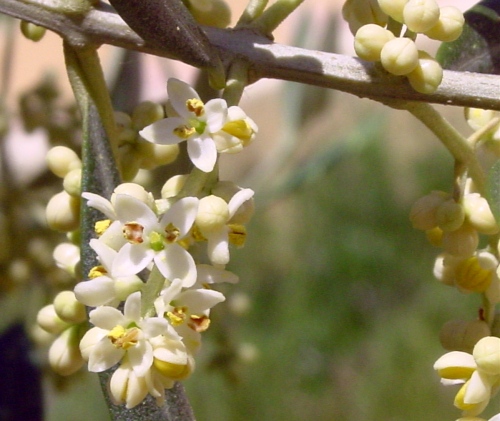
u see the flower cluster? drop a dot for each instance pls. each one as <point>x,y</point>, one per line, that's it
<point>385,31</point>
<point>151,291</point>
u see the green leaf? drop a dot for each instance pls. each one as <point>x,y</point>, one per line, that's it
<point>493,190</point>
<point>478,48</point>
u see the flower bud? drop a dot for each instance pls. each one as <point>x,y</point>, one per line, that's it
<point>134,190</point>
<point>394,8</point>
<point>444,269</point>
<point>152,155</point>
<point>126,387</point>
<point>420,15</point>
<point>423,211</point>
<point>461,242</point>
<point>362,12</point>
<point>124,286</point>
<point>472,277</point>
<point>122,120</point>
<point>427,76</point>
<point>173,186</point>
<point>399,56</point>
<point>462,335</point>
<point>478,118</point>
<point>64,354</point>
<point>72,182</point>
<point>450,215</point>
<point>226,190</point>
<point>63,212</point>
<point>68,308</point>
<point>479,214</point>
<point>49,321</point>
<point>31,31</point>
<point>435,236</point>
<point>214,13</point>
<point>146,113</point>
<point>369,40</point>
<point>449,25</point>
<point>61,160</point>
<point>67,256</point>
<point>486,353</point>
<point>213,214</point>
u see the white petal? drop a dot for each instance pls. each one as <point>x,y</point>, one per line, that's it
<point>176,262</point>
<point>238,199</point>
<point>478,388</point>
<point>179,93</point>
<point>141,357</point>
<point>218,247</point>
<point>95,292</point>
<point>106,317</point>
<point>131,259</point>
<point>162,132</point>
<point>166,296</point>
<point>105,253</point>
<point>90,339</point>
<point>113,236</point>
<point>455,359</point>
<point>126,387</point>
<point>154,326</point>
<point>216,114</point>
<point>200,300</point>
<point>132,307</point>
<point>207,274</point>
<point>104,355</point>
<point>181,214</point>
<point>202,152</point>
<point>100,203</point>
<point>130,209</point>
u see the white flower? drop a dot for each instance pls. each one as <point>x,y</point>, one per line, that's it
<point>118,334</point>
<point>104,287</point>
<point>196,122</point>
<point>238,132</point>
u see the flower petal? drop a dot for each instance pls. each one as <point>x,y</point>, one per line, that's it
<point>132,307</point>
<point>207,274</point>
<point>181,215</point>
<point>218,247</point>
<point>129,209</point>
<point>202,152</point>
<point>176,262</point>
<point>162,132</point>
<point>96,292</point>
<point>179,93</point>
<point>238,199</point>
<point>455,365</point>
<point>100,203</point>
<point>105,253</point>
<point>131,259</point>
<point>106,317</point>
<point>141,357</point>
<point>104,356</point>
<point>216,114</point>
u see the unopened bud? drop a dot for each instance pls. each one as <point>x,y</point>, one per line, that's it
<point>450,215</point>
<point>64,354</point>
<point>462,335</point>
<point>399,56</point>
<point>68,308</point>
<point>63,212</point>
<point>420,15</point>
<point>369,41</point>
<point>213,214</point>
<point>486,353</point>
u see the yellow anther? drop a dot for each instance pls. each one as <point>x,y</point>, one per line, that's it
<point>240,129</point>
<point>101,226</point>
<point>177,315</point>
<point>123,338</point>
<point>195,106</point>
<point>97,271</point>
<point>184,131</point>
<point>237,234</point>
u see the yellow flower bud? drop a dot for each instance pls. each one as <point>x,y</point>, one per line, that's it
<point>394,8</point>
<point>369,40</point>
<point>72,182</point>
<point>427,76</point>
<point>435,236</point>
<point>449,25</point>
<point>68,308</point>
<point>450,215</point>
<point>63,212</point>
<point>399,56</point>
<point>470,276</point>
<point>462,335</point>
<point>486,353</point>
<point>171,370</point>
<point>61,160</point>
<point>152,155</point>
<point>420,15</point>
<point>362,12</point>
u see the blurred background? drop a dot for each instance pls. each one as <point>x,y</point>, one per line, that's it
<point>337,314</point>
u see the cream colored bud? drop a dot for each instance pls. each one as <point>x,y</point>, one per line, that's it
<point>450,215</point>
<point>61,160</point>
<point>67,256</point>
<point>362,12</point>
<point>421,15</point>
<point>134,190</point>
<point>68,308</point>
<point>124,286</point>
<point>125,387</point>
<point>31,31</point>
<point>153,155</point>
<point>129,162</point>
<point>213,214</point>
<point>146,113</point>
<point>461,242</point>
<point>444,271</point>
<point>423,211</point>
<point>64,354</point>
<point>427,76</point>
<point>462,335</point>
<point>173,186</point>
<point>49,321</point>
<point>369,40</point>
<point>478,118</point>
<point>479,214</point>
<point>72,182</point>
<point>449,26</point>
<point>486,353</point>
<point>399,56</point>
<point>63,212</point>
<point>471,276</point>
<point>216,13</point>
<point>394,8</point>
<point>122,120</point>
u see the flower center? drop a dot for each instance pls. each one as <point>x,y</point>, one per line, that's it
<point>124,338</point>
<point>132,231</point>
<point>195,106</point>
<point>171,233</point>
<point>97,271</point>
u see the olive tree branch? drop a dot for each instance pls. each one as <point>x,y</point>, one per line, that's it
<point>102,25</point>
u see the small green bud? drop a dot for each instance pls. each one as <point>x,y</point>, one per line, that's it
<point>146,113</point>
<point>31,31</point>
